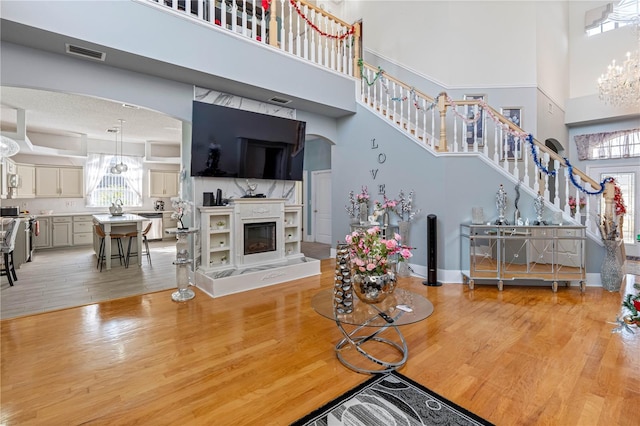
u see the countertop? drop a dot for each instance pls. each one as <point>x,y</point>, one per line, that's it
<point>59,214</point>
<point>125,218</point>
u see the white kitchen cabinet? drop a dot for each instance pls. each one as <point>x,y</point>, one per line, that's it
<point>27,178</point>
<point>163,183</point>
<point>7,167</point>
<point>59,182</point>
<point>43,239</point>
<point>82,230</point>
<point>62,231</point>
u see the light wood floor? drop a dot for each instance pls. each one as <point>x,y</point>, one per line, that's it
<point>524,356</point>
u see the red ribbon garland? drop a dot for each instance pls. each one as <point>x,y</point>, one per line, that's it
<point>266,4</point>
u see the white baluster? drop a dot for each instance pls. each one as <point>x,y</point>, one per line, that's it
<point>545,161</point>
<point>327,58</point>
<point>234,14</point>
<point>244,18</point>
<point>485,147</point>
<point>401,102</point>
<point>223,15</point>
<point>496,145</point>
<point>263,28</point>
<point>577,197</point>
<point>432,139</point>
<point>516,168</point>
<point>312,43</point>
<point>556,200</point>
<point>455,131</point>
<point>525,157</point>
<point>504,137</point>
<point>333,46</point>
<point>290,31</point>
<point>475,128</point>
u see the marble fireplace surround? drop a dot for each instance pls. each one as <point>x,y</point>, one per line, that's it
<point>260,269</point>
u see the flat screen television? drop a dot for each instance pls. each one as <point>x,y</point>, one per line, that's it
<point>234,143</point>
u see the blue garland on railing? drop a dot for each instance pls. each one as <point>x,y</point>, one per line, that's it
<point>572,178</point>
<point>536,160</point>
<point>582,188</point>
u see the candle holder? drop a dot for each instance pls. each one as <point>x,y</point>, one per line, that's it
<point>182,263</point>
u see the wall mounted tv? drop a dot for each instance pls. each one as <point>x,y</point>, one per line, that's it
<point>233,143</point>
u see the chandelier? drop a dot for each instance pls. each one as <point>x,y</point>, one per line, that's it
<point>8,147</point>
<point>620,85</point>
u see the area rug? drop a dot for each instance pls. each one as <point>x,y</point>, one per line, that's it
<point>390,399</point>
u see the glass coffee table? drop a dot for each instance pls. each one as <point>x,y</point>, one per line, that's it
<point>363,349</point>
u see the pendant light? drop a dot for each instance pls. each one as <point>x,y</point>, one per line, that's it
<point>114,169</point>
<point>121,167</point>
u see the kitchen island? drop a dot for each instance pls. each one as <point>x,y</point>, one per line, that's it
<point>118,225</point>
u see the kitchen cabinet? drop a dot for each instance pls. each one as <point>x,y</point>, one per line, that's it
<point>62,231</point>
<point>43,239</point>
<point>59,182</point>
<point>163,183</point>
<point>27,181</point>
<point>82,230</point>
<point>7,167</point>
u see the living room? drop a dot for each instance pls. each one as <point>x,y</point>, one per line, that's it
<point>331,113</point>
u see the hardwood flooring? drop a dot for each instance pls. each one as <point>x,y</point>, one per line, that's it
<point>67,277</point>
<point>524,356</point>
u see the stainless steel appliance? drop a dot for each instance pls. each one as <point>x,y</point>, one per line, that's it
<point>155,233</point>
<point>10,211</point>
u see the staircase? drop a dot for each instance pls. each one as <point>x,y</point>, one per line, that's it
<point>445,126</point>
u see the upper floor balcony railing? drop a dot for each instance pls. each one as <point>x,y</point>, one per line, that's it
<point>293,26</point>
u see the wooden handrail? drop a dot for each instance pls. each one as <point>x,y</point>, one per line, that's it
<point>395,80</point>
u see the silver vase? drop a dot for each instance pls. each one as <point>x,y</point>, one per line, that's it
<point>403,230</point>
<point>374,288</point>
<point>611,270</point>
<point>342,285</point>
<point>363,213</point>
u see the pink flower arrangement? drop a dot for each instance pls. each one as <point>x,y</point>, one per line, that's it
<point>363,197</point>
<point>386,204</point>
<point>370,252</point>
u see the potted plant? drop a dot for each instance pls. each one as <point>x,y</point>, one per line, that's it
<point>220,224</point>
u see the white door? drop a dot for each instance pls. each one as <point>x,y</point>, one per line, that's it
<point>628,178</point>
<point>321,209</point>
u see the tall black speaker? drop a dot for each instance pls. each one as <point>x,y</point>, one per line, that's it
<point>432,252</point>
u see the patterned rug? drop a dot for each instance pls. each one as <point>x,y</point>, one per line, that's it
<point>390,399</point>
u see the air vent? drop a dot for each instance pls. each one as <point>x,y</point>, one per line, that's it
<point>280,100</point>
<point>112,130</point>
<point>84,52</point>
<point>130,106</point>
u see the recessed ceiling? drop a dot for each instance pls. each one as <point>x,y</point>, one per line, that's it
<point>74,115</point>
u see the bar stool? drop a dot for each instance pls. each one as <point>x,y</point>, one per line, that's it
<point>101,251</point>
<point>7,245</point>
<point>134,234</point>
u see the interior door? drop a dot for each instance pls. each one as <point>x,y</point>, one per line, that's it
<point>321,209</point>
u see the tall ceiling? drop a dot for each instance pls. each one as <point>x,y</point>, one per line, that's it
<point>75,115</point>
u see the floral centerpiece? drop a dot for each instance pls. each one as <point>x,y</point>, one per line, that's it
<point>180,207</point>
<point>373,260</point>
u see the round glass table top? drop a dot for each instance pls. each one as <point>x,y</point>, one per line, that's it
<point>400,308</point>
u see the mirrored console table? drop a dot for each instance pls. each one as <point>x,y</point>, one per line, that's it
<point>503,252</point>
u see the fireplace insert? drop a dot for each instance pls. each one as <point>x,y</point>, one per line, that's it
<point>259,237</point>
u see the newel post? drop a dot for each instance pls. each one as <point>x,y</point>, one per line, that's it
<point>273,25</point>
<point>442,106</point>
<point>356,49</point>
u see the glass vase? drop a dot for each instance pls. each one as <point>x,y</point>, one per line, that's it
<point>403,230</point>
<point>183,263</point>
<point>611,270</point>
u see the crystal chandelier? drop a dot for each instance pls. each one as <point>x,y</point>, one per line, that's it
<point>620,85</point>
<point>8,147</point>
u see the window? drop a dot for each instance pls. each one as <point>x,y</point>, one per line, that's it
<point>601,146</point>
<point>609,17</point>
<point>104,187</point>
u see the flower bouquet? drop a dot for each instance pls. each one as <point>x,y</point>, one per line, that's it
<point>373,260</point>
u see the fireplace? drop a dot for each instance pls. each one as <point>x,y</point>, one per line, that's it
<point>259,237</point>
